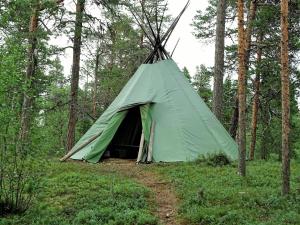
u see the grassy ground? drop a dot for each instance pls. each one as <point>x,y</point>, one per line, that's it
<point>217,195</point>
<point>79,193</point>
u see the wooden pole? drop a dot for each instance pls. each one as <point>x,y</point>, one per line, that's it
<point>70,153</point>
<point>139,158</point>
<point>150,150</point>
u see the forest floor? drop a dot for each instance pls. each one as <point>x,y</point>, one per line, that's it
<point>118,192</point>
<point>163,196</point>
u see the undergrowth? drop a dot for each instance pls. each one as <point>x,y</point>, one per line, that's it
<point>78,193</point>
<point>217,195</point>
<point>219,159</point>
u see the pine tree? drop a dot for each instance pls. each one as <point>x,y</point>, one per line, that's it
<point>219,60</point>
<point>75,74</point>
<point>241,90</point>
<point>285,98</point>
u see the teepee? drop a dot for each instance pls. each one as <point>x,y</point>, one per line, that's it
<point>157,117</point>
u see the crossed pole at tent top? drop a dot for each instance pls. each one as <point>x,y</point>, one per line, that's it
<point>159,52</point>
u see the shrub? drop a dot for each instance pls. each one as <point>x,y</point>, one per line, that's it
<point>19,179</point>
<point>219,159</point>
<point>298,188</point>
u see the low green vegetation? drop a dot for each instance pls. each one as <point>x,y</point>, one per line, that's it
<point>217,195</point>
<point>79,193</point>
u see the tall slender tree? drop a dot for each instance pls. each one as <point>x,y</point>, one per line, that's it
<point>241,89</point>
<point>285,98</point>
<point>75,74</point>
<point>219,60</point>
<point>30,76</point>
<point>255,102</point>
<point>252,8</point>
<point>96,73</point>
<point>30,73</point>
<point>248,32</point>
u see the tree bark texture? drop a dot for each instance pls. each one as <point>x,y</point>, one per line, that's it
<point>234,119</point>
<point>285,98</point>
<point>248,34</point>
<point>265,136</point>
<point>29,76</point>
<point>241,90</point>
<point>75,74</point>
<point>95,85</point>
<point>219,60</point>
<point>255,101</point>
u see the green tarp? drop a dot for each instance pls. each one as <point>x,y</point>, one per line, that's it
<point>185,128</point>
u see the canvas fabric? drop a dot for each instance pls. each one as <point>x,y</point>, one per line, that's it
<point>185,128</point>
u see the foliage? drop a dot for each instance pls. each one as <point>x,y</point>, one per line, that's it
<point>77,193</point>
<point>80,194</point>
<point>265,36</point>
<point>219,196</point>
<point>19,181</point>
<point>186,73</point>
<point>204,22</point>
<point>230,90</point>
<point>201,82</point>
<point>219,159</point>
<point>20,166</point>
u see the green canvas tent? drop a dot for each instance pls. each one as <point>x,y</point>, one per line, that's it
<point>157,117</point>
<point>184,128</point>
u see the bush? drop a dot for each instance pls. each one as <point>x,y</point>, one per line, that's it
<point>19,179</point>
<point>219,159</point>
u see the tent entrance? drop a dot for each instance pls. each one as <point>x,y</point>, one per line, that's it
<point>126,141</point>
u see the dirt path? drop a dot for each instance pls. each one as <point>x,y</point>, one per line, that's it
<point>164,196</point>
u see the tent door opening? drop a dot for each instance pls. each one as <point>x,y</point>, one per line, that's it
<point>126,141</point>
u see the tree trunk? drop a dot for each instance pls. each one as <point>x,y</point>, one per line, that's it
<point>248,34</point>
<point>255,101</point>
<point>285,97</point>
<point>29,76</point>
<point>95,85</point>
<point>75,74</point>
<point>241,90</point>
<point>234,119</point>
<point>219,60</point>
<point>265,136</point>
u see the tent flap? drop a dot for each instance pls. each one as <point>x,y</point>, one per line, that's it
<point>146,121</point>
<point>105,138</point>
